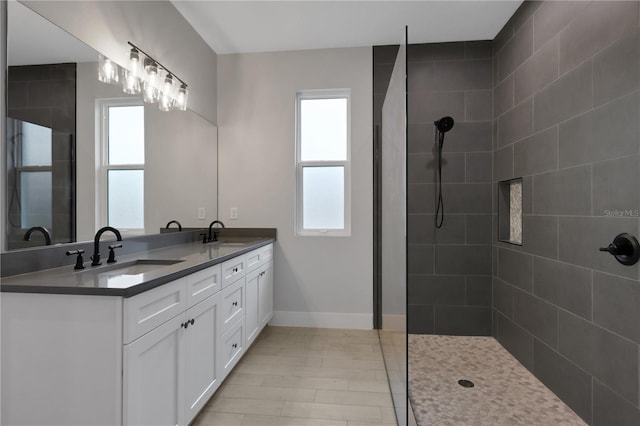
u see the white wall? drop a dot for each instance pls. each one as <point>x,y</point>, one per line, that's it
<point>154,26</point>
<point>319,281</point>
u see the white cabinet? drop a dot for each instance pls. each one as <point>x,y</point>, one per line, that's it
<point>259,293</point>
<point>153,376</point>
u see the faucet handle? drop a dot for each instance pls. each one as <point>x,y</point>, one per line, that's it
<point>79,260</point>
<point>205,237</point>
<point>112,254</point>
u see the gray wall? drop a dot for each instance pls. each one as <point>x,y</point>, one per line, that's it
<point>449,282</point>
<point>566,110</point>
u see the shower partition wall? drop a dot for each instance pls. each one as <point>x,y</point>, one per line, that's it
<point>391,237</point>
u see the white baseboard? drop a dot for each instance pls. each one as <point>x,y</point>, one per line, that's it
<point>322,320</point>
<point>394,322</point>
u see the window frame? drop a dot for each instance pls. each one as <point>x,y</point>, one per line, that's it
<point>102,190</point>
<point>300,165</point>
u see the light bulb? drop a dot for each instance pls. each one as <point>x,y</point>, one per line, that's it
<point>134,62</point>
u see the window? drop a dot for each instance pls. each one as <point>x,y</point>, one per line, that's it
<point>322,163</point>
<point>122,165</point>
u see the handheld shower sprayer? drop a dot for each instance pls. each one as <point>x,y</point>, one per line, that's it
<point>442,126</point>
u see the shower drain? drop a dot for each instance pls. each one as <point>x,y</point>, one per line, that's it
<point>466,383</point>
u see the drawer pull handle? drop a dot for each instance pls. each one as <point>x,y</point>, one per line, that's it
<point>235,270</point>
<point>235,303</point>
<point>193,321</point>
<point>185,325</point>
<point>235,345</point>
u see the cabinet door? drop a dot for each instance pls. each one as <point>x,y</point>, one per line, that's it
<point>154,376</point>
<point>200,339</point>
<point>265,294</point>
<point>251,306</point>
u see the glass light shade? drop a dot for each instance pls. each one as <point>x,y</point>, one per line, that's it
<point>107,70</point>
<point>181,98</point>
<point>130,83</point>
<point>134,62</point>
<point>166,94</point>
<point>151,93</point>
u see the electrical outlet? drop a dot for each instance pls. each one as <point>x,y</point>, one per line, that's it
<point>234,213</point>
<point>201,214</point>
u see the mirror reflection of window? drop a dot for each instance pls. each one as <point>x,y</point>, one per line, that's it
<point>123,165</point>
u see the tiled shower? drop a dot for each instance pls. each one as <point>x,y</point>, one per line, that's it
<point>554,100</point>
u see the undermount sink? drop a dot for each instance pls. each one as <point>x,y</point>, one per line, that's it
<point>136,267</point>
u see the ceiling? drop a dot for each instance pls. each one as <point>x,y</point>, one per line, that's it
<point>264,26</point>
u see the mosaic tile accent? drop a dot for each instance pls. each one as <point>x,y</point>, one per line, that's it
<point>505,393</point>
<point>515,212</point>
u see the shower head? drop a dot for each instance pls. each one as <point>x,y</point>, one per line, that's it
<point>444,124</point>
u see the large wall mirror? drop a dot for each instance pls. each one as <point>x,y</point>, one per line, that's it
<point>81,154</point>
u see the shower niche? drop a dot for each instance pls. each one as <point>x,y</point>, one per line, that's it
<point>510,211</point>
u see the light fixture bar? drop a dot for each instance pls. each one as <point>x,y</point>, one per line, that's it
<point>157,62</point>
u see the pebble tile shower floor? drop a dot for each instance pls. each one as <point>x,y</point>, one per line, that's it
<point>505,392</point>
<point>305,377</point>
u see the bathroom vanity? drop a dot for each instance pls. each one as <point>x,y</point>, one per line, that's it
<point>146,340</point>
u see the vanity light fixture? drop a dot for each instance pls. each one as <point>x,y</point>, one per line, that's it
<point>145,75</point>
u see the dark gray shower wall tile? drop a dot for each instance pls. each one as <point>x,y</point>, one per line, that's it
<point>462,320</point>
<point>40,116</point>
<point>494,324</point>
<point>477,49</point>
<point>536,154</point>
<point>615,187</point>
<point>616,70</point>
<point>564,378</point>
<point>564,192</point>
<point>585,139</point>
<point>467,198</point>
<point>494,255</point>
<point>608,357</point>
<point>462,75</point>
<point>515,124</point>
<point>378,102</point>
<point>516,340</point>
<point>453,167</point>
<point>381,77</point>
<point>540,235</point>
<point>616,305</point>
<point>420,319</point>
<point>516,268</point>
<point>503,164</point>
<point>452,231</point>
<point>419,76</point>
<point>580,238</point>
<point>435,51</point>
<point>426,107</point>
<point>524,12</point>
<point>17,94</point>
<point>420,228</point>
<point>536,316</point>
<point>503,297</point>
<point>420,259</point>
<point>569,96</point>
<point>478,167</point>
<point>421,198</point>
<point>51,93</point>
<point>503,96</point>
<point>564,285</point>
<point>537,71</point>
<point>527,195</point>
<point>478,228</point>
<point>385,54</point>
<point>552,17</point>
<point>436,290</point>
<point>503,36</point>
<point>469,137</point>
<point>463,260</point>
<point>611,409</point>
<point>478,291</point>
<point>516,51</point>
<point>478,105</point>
<point>420,138</point>
<point>599,25</point>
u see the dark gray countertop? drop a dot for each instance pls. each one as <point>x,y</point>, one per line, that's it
<point>97,280</point>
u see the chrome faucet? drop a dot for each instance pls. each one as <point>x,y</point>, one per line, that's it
<point>214,232</point>
<point>176,222</point>
<point>96,244</point>
<point>45,232</point>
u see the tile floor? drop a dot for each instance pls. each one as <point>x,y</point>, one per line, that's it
<point>305,377</point>
<point>505,393</point>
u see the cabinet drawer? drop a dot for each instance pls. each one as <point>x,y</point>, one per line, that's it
<point>253,259</point>
<point>203,284</point>
<point>233,299</point>
<point>146,311</point>
<point>233,269</point>
<point>266,253</point>
<point>231,348</point>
